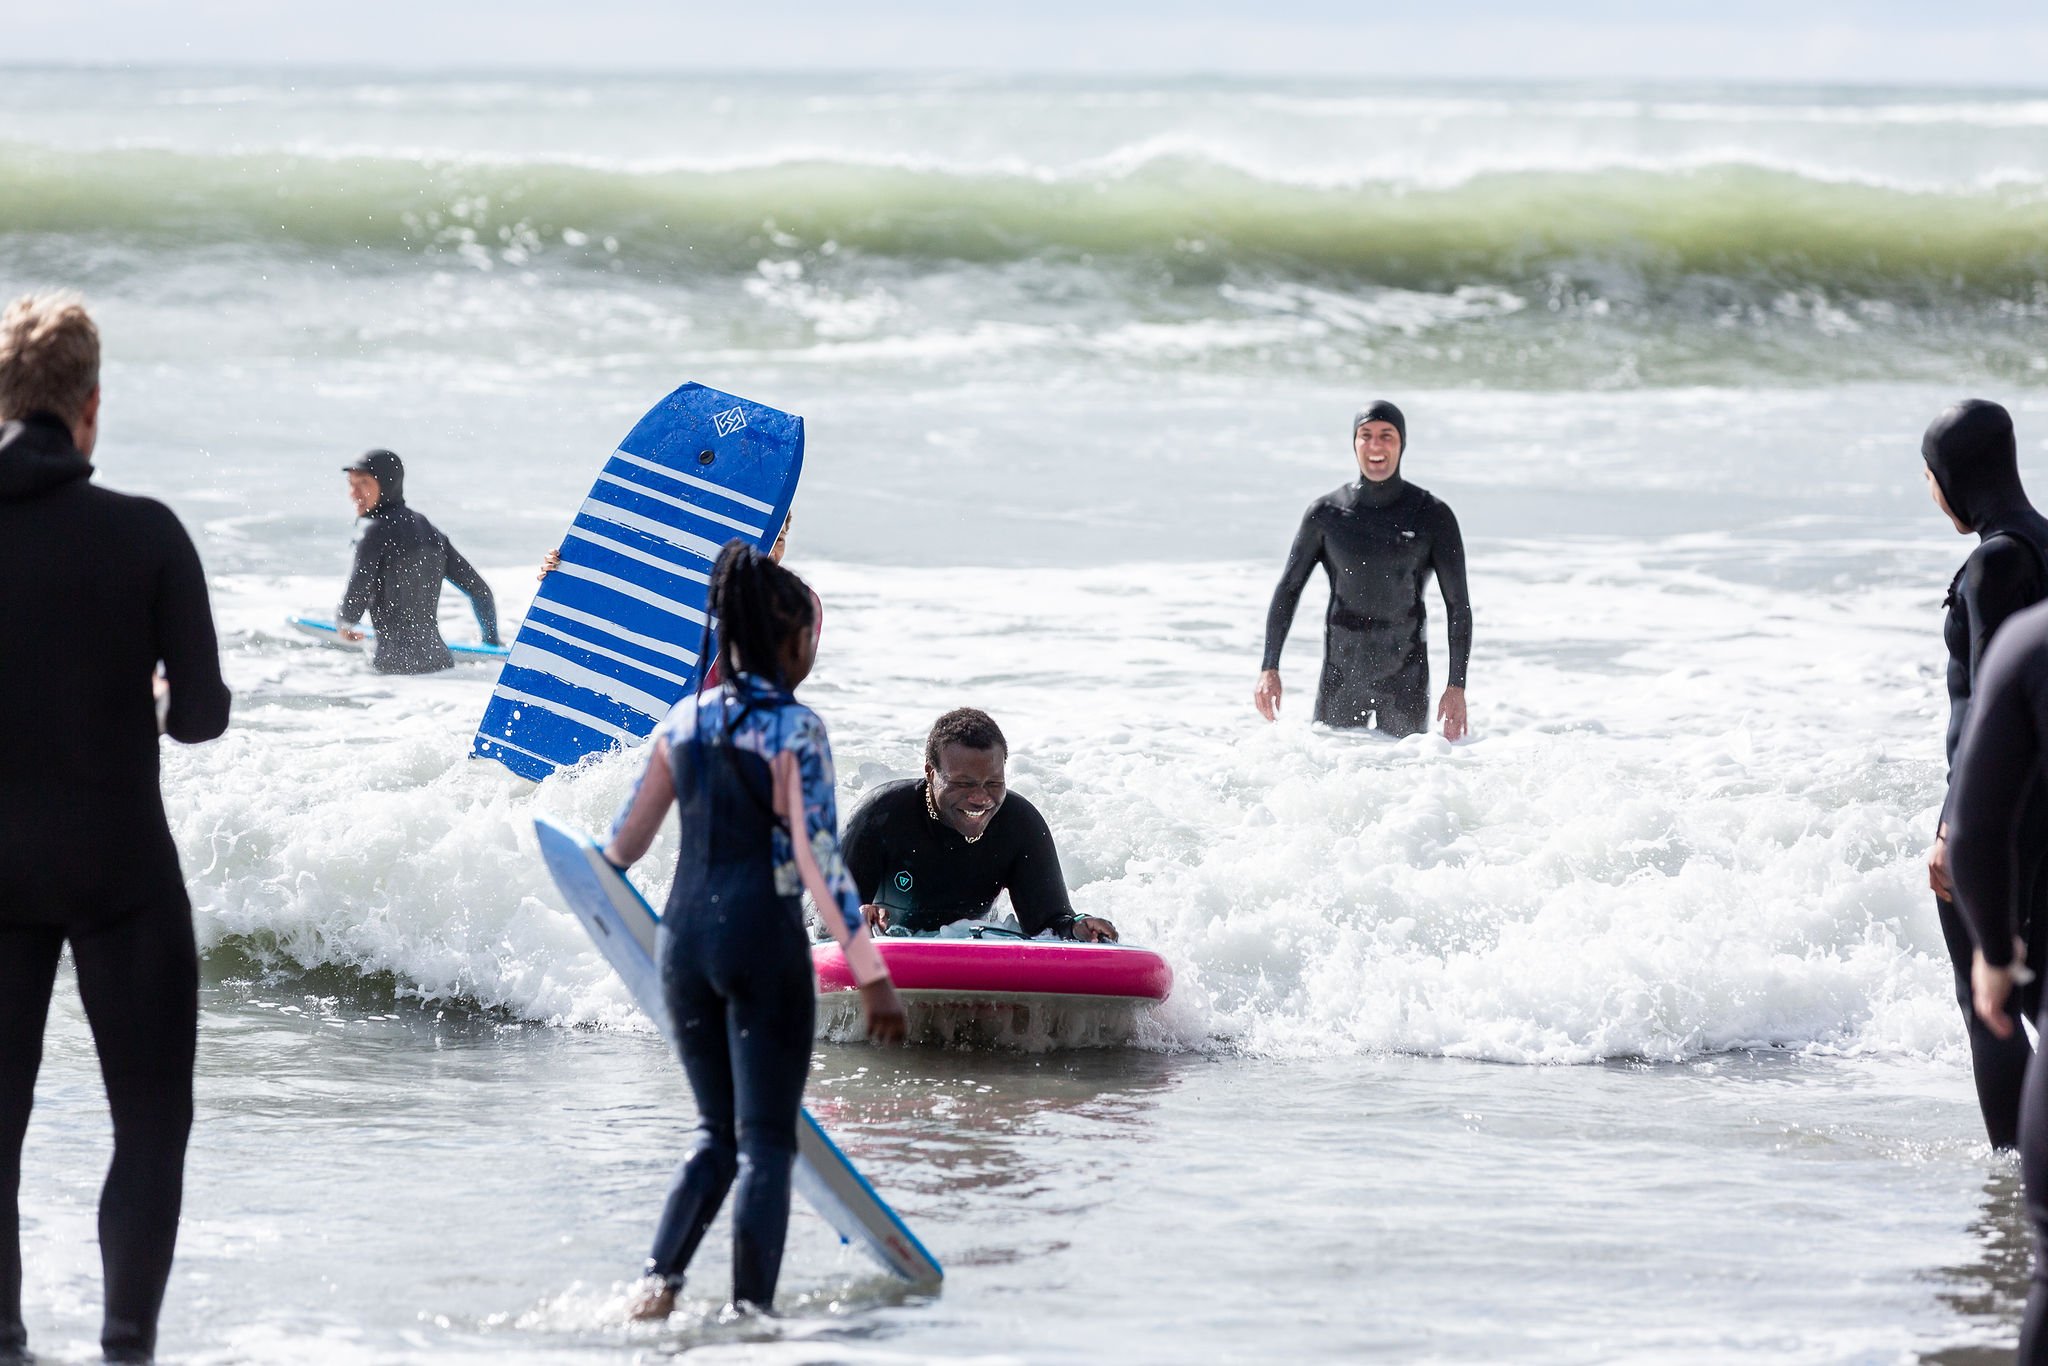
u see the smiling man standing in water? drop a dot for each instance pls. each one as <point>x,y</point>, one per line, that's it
<point>1379,538</point>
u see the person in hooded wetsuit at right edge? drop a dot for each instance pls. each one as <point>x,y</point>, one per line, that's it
<point>1973,470</point>
<point>1379,538</point>
<point>2001,764</point>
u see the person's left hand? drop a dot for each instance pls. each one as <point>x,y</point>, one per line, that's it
<point>1451,711</point>
<point>1990,988</point>
<point>887,1022</point>
<point>1093,929</point>
<point>1937,866</point>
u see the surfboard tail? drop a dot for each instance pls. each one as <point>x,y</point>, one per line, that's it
<point>623,926</point>
<point>834,1187</point>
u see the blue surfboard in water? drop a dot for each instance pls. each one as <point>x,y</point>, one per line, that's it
<point>328,632</point>
<point>612,638</point>
<point>623,926</point>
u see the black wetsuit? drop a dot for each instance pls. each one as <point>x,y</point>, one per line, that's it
<point>2003,755</point>
<point>401,558</point>
<point>1971,451</point>
<point>96,589</point>
<point>928,875</point>
<point>735,965</point>
<point>1378,543</point>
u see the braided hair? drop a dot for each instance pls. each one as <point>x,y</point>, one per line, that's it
<point>758,606</point>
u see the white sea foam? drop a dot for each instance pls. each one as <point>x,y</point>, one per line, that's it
<point>1691,819</point>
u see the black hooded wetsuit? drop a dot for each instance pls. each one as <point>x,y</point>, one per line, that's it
<point>2002,759</point>
<point>97,589</point>
<point>401,558</point>
<point>928,875</point>
<point>1971,451</point>
<point>1379,543</point>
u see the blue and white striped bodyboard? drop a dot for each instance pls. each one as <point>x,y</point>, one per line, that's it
<point>611,641</point>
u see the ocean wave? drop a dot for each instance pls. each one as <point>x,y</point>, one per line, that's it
<point>1640,858</point>
<point>1193,218</point>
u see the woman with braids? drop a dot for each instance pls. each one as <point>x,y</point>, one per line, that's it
<point>750,771</point>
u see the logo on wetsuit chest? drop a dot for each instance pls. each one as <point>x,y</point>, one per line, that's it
<point>903,881</point>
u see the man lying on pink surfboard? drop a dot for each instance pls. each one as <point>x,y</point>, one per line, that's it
<point>926,852</point>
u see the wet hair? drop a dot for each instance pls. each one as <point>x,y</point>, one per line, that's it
<point>964,726</point>
<point>758,605</point>
<point>49,357</point>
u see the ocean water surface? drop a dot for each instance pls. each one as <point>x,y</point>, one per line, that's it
<point>1622,1031</point>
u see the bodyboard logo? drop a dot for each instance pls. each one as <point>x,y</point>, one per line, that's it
<point>729,421</point>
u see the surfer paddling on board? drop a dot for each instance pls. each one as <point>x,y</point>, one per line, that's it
<point>927,852</point>
<point>1379,539</point>
<point>401,559</point>
<point>746,765</point>
<point>97,590</point>
<point>1972,469</point>
<point>552,561</point>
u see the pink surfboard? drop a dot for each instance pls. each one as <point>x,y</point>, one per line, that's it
<point>1008,969</point>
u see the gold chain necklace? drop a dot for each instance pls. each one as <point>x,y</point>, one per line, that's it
<point>931,808</point>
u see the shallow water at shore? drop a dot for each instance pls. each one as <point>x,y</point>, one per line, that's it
<point>1622,1032</point>
<point>397,1184</point>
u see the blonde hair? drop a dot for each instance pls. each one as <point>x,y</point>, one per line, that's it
<point>49,356</point>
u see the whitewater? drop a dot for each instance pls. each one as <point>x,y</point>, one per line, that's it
<point>1622,1031</point>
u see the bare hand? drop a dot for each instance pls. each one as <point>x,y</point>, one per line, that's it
<point>1266,696</point>
<point>886,1021</point>
<point>1093,929</point>
<point>549,563</point>
<point>350,633</point>
<point>1451,711</point>
<point>877,918</point>
<point>1937,866</point>
<point>1990,988</point>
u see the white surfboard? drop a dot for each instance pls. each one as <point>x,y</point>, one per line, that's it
<point>623,925</point>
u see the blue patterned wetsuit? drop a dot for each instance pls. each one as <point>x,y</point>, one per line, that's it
<point>735,958</point>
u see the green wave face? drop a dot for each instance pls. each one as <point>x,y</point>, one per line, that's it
<point>1651,230</point>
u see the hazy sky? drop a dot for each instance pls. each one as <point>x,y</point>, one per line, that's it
<point>1975,41</point>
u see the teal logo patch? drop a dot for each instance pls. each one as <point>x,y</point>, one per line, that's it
<point>903,882</point>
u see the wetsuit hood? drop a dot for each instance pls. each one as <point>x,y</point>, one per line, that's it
<point>1388,491</point>
<point>1971,450</point>
<point>37,455</point>
<point>388,470</point>
<point>1379,410</point>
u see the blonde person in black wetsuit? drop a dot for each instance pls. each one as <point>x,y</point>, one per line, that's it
<point>98,590</point>
<point>1379,539</point>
